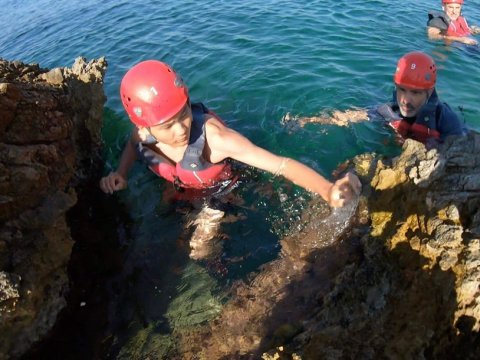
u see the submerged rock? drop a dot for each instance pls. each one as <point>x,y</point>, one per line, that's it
<point>50,122</point>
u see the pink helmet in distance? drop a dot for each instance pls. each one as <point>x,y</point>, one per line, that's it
<point>452,2</point>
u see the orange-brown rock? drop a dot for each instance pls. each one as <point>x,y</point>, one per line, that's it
<point>50,123</point>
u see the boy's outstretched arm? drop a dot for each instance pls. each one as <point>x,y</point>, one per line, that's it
<point>225,142</point>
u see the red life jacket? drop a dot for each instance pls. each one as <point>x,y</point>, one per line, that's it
<point>458,27</point>
<point>193,171</point>
<point>414,131</point>
<point>417,131</point>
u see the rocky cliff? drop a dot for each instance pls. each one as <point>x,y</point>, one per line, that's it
<point>415,292</point>
<point>50,123</point>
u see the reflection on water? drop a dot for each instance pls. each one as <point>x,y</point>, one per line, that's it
<point>269,307</point>
<point>205,241</point>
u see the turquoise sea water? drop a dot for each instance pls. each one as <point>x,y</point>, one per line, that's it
<point>251,62</point>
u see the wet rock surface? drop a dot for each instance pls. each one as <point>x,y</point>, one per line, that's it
<point>400,279</point>
<point>50,122</point>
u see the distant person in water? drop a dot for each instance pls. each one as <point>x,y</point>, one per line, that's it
<point>415,111</point>
<point>450,25</point>
<point>188,145</point>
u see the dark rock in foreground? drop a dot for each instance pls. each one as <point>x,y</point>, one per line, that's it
<point>50,123</point>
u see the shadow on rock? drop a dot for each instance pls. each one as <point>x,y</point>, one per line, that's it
<point>100,229</point>
<point>407,286</point>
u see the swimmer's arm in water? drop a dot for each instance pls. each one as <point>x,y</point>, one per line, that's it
<point>339,118</point>
<point>475,29</point>
<point>227,143</point>
<point>117,180</point>
<point>436,34</point>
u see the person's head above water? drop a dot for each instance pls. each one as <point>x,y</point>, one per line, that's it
<point>453,8</point>
<point>152,93</point>
<point>414,79</point>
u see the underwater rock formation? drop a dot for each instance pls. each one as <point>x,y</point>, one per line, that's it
<point>50,141</point>
<point>398,280</point>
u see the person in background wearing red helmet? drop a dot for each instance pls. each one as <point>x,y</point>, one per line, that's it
<point>450,25</point>
<point>415,111</point>
<point>189,145</point>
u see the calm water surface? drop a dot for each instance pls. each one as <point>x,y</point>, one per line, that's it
<point>251,62</point>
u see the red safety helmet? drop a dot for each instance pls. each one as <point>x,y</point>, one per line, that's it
<point>416,70</point>
<point>152,93</point>
<point>452,2</point>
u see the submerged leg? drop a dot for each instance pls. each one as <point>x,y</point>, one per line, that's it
<point>206,242</point>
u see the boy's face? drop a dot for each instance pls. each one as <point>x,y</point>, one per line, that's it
<point>453,10</point>
<point>174,132</point>
<point>410,101</point>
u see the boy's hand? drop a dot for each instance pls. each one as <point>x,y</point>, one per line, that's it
<point>344,190</point>
<point>113,182</point>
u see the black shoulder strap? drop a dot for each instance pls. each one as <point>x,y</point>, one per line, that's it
<point>193,154</point>
<point>150,157</point>
<point>387,112</point>
<point>438,19</point>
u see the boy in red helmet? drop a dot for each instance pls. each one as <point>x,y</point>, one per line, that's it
<point>416,111</point>
<point>157,102</point>
<point>189,145</point>
<point>450,25</point>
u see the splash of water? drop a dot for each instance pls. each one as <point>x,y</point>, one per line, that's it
<point>331,228</point>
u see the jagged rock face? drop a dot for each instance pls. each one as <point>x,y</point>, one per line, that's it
<point>416,292</point>
<point>50,123</point>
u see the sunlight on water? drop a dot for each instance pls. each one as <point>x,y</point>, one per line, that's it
<point>198,300</point>
<point>332,227</point>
